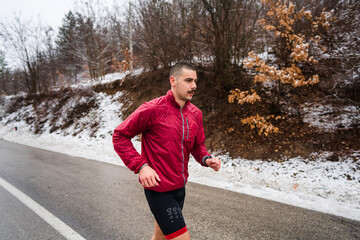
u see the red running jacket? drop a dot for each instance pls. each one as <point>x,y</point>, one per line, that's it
<point>169,135</point>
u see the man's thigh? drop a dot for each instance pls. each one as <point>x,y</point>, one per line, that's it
<point>167,210</point>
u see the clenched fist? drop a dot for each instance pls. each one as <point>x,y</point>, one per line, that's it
<point>214,163</point>
<point>148,177</point>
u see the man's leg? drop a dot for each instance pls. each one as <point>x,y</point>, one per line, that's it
<point>185,236</point>
<point>167,210</point>
<point>158,234</point>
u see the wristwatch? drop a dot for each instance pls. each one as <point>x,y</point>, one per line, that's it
<point>204,160</point>
<point>143,166</point>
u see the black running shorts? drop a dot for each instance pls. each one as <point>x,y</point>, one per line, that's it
<point>167,210</point>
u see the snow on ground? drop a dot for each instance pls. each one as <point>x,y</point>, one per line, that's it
<point>314,183</point>
<point>329,117</point>
<point>84,80</point>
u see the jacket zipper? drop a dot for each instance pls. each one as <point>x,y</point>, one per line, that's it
<point>182,144</point>
<point>188,130</point>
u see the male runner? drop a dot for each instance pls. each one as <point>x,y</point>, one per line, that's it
<point>171,128</point>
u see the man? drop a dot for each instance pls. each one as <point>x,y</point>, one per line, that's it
<point>171,129</point>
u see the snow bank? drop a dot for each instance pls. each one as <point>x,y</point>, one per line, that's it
<point>329,117</point>
<point>84,80</point>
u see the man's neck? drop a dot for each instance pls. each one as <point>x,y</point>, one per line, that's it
<point>178,100</point>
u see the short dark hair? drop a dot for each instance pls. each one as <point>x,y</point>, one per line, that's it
<point>177,68</point>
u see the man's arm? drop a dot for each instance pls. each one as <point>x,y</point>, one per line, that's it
<point>138,122</point>
<point>199,150</point>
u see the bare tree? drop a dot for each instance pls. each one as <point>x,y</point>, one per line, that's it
<point>154,32</point>
<point>168,31</point>
<point>97,42</point>
<point>3,70</point>
<point>230,28</point>
<point>25,40</point>
<point>343,43</point>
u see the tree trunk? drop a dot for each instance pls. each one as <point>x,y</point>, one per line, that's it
<point>275,104</point>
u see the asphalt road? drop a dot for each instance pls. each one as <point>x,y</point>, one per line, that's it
<point>104,201</point>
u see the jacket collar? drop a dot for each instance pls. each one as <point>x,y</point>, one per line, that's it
<point>171,99</point>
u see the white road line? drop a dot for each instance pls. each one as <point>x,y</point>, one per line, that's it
<point>50,218</point>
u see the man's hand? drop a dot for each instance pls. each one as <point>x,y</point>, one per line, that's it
<point>148,177</point>
<point>214,163</point>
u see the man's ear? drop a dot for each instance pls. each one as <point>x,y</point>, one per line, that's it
<point>172,81</point>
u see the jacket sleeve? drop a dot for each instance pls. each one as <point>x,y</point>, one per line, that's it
<point>199,150</point>
<point>139,121</point>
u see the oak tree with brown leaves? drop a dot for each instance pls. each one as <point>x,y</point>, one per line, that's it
<point>293,53</point>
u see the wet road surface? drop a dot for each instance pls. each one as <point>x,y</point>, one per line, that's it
<point>104,201</point>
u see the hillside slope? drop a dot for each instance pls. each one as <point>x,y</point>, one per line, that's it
<point>315,121</point>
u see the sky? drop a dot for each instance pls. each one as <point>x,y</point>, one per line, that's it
<point>50,12</point>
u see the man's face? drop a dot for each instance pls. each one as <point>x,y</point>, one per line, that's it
<point>184,86</point>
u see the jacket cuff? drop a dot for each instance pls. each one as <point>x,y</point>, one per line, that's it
<point>204,159</point>
<point>142,167</point>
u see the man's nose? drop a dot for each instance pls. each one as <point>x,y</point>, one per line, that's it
<point>193,85</point>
